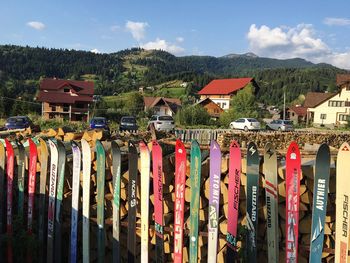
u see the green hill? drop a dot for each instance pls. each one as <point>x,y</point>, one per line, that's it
<point>21,69</point>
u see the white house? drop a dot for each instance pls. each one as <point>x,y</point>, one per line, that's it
<point>334,109</point>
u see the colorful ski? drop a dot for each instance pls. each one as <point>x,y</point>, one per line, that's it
<point>158,198</point>
<point>319,206</point>
<point>234,183</point>
<point>195,176</point>
<point>2,196</point>
<point>59,199</point>
<point>214,200</point>
<point>75,202</point>
<point>20,177</point>
<point>293,171</point>
<point>33,157</point>
<point>132,202</point>
<point>9,172</point>
<point>42,198</point>
<point>86,199</point>
<point>271,184</point>
<point>179,206</point>
<point>145,175</point>
<point>116,156</point>
<point>342,204</point>
<point>52,201</point>
<point>101,169</point>
<point>252,201</point>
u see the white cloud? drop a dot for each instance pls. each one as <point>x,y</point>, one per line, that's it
<point>290,42</point>
<point>96,51</point>
<point>180,39</point>
<point>137,29</point>
<point>36,25</point>
<point>336,21</point>
<point>163,45</point>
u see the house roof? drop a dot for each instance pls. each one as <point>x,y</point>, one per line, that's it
<point>224,86</point>
<point>300,111</point>
<point>172,103</point>
<point>342,79</point>
<point>80,87</point>
<point>313,99</point>
<point>60,97</point>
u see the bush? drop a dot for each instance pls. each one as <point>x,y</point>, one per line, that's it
<point>193,115</point>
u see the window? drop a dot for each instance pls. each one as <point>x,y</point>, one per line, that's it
<point>348,87</point>
<point>224,105</point>
<point>53,107</point>
<point>343,117</point>
<point>336,103</point>
<point>347,103</point>
<point>65,107</point>
<point>323,116</point>
<point>66,90</point>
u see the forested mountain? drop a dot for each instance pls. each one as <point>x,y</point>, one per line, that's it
<point>21,69</point>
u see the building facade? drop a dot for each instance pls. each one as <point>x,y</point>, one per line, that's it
<point>65,99</point>
<point>161,105</point>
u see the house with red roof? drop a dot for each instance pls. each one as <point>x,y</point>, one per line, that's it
<point>65,99</point>
<point>221,91</point>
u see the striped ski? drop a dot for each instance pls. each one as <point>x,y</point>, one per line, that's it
<point>116,157</point>
<point>2,196</point>
<point>342,204</point>
<point>132,201</point>
<point>179,207</point>
<point>75,202</point>
<point>293,171</point>
<point>86,152</point>
<point>9,172</point>
<point>145,175</point>
<point>101,166</point>
<point>195,179</point>
<point>158,198</point>
<point>233,201</point>
<point>271,184</point>
<point>252,201</point>
<point>319,206</point>
<point>20,177</point>
<point>42,198</point>
<point>59,199</point>
<point>52,201</point>
<point>33,157</point>
<point>214,200</point>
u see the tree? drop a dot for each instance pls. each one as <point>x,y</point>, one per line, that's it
<point>192,115</point>
<point>134,103</point>
<point>242,105</point>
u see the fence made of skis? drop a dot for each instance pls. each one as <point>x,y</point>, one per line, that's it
<point>183,201</point>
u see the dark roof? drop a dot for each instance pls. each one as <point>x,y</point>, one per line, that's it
<point>313,99</point>
<point>342,79</point>
<point>60,97</point>
<point>50,91</point>
<point>80,87</point>
<point>224,86</point>
<point>300,110</point>
<point>173,104</point>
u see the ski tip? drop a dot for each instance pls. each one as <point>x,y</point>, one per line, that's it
<point>252,149</point>
<point>180,147</point>
<point>214,145</point>
<point>234,144</point>
<point>293,152</point>
<point>344,147</point>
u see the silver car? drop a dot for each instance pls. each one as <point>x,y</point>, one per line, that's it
<point>280,125</point>
<point>246,124</point>
<point>162,122</point>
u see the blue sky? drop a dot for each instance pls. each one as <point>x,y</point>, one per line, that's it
<point>318,31</point>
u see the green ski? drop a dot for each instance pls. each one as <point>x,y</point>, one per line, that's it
<point>101,166</point>
<point>2,197</point>
<point>20,177</point>
<point>116,159</point>
<point>195,177</point>
<point>252,201</point>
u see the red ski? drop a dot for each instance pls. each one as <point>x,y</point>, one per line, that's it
<point>293,171</point>
<point>158,198</point>
<point>179,206</point>
<point>9,172</point>
<point>33,156</point>
<point>233,200</point>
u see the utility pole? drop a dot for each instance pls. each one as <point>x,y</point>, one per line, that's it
<point>284,103</point>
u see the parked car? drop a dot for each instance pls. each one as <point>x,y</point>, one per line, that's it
<point>99,123</point>
<point>280,125</point>
<point>246,124</point>
<point>20,122</point>
<point>128,123</point>
<point>162,122</point>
